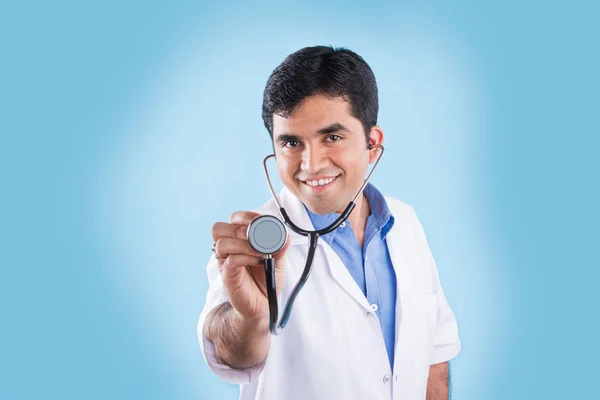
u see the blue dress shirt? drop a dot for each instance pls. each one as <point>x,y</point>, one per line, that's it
<point>369,265</point>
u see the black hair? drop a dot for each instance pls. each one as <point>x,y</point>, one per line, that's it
<point>334,72</point>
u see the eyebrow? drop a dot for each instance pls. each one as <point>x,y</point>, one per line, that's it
<point>328,130</point>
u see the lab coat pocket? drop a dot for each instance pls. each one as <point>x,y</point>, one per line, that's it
<point>423,310</point>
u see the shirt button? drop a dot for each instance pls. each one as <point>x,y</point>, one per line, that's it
<point>374,307</point>
<point>386,379</point>
<point>343,224</point>
<point>367,314</point>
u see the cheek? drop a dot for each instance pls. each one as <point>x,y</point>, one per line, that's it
<point>286,170</point>
<point>354,163</point>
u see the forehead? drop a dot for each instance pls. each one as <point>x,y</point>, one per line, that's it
<point>315,112</point>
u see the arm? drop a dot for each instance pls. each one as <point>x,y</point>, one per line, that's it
<point>233,328</point>
<point>438,382</point>
<point>239,342</point>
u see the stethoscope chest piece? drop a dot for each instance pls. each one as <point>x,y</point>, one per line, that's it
<point>267,234</point>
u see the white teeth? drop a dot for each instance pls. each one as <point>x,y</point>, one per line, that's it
<point>320,182</point>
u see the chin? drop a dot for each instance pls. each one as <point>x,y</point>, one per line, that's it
<point>321,209</point>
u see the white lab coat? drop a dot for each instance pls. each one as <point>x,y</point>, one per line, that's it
<point>333,347</point>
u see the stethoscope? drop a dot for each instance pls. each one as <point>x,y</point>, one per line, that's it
<point>267,235</point>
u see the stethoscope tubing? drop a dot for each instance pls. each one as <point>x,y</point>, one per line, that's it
<point>313,237</point>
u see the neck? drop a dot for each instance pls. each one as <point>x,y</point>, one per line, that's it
<point>358,217</point>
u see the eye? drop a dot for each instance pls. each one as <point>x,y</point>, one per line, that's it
<point>291,144</point>
<point>334,138</point>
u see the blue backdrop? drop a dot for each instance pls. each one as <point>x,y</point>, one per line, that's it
<point>128,129</point>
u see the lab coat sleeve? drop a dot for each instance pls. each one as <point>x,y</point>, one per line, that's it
<point>215,296</point>
<point>446,342</point>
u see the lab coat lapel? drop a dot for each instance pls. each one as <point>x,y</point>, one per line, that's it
<point>398,242</point>
<point>340,273</point>
<point>413,279</point>
<point>412,275</point>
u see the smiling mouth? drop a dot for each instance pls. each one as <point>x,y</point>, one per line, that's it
<point>320,182</point>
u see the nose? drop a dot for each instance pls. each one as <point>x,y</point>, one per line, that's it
<point>314,159</point>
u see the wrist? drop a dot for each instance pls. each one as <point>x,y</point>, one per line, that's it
<point>250,325</point>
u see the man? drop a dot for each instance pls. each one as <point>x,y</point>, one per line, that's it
<point>372,322</point>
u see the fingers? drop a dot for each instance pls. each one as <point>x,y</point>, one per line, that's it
<point>231,238</point>
<point>224,247</point>
<point>243,217</point>
<point>225,230</point>
<point>236,261</point>
<point>237,226</point>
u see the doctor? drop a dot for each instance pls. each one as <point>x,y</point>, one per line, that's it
<point>372,321</point>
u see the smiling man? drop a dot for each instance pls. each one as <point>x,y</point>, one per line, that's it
<point>322,158</point>
<point>372,322</point>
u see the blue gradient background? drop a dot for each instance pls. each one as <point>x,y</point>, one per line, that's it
<point>128,129</point>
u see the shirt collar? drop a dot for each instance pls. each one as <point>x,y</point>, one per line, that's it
<point>379,210</point>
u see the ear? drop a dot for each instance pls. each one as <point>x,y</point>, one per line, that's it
<point>375,137</point>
